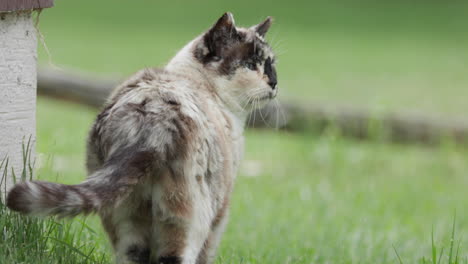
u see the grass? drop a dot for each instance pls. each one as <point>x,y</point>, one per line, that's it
<point>304,198</point>
<point>41,241</point>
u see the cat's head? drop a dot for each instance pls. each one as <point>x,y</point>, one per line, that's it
<point>238,61</point>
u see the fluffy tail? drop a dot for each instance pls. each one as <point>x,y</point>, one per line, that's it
<point>105,187</point>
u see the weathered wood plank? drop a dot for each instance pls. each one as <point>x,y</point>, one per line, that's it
<point>19,5</point>
<point>290,115</point>
<point>362,124</point>
<point>80,87</point>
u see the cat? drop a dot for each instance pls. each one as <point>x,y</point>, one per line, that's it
<point>164,152</point>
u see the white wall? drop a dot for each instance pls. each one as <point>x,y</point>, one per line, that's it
<point>18,59</point>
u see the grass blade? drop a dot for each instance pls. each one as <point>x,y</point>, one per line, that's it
<point>452,239</point>
<point>440,256</point>
<point>398,256</point>
<point>434,249</point>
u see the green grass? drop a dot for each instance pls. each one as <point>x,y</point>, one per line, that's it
<point>309,199</point>
<point>41,241</point>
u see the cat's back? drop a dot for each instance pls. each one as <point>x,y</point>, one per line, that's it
<point>155,109</point>
<point>154,84</point>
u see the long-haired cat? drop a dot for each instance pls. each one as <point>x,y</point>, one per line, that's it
<point>164,152</point>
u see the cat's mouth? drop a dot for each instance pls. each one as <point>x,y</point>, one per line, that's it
<point>259,101</point>
<point>269,96</point>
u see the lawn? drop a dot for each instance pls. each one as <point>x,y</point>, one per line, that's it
<point>300,198</point>
<point>308,199</point>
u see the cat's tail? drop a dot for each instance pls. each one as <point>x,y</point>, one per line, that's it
<point>105,187</point>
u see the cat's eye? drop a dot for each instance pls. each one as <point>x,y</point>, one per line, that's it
<point>251,66</point>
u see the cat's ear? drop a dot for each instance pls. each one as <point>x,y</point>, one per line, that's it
<point>221,35</point>
<point>225,25</point>
<point>263,27</point>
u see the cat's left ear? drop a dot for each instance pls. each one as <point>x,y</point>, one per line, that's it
<point>221,35</point>
<point>225,25</point>
<point>263,27</point>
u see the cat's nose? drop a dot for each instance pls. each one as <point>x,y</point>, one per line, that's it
<point>273,93</point>
<point>272,84</point>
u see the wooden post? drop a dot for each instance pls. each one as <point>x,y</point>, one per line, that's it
<point>18,80</point>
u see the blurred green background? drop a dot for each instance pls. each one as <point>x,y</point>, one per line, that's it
<point>384,55</point>
<point>300,198</point>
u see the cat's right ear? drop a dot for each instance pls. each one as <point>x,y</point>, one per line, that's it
<point>220,36</point>
<point>263,27</point>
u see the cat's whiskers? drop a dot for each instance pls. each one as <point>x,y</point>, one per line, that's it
<point>280,110</point>
<point>256,95</point>
<point>253,113</point>
<point>244,99</point>
<point>247,102</point>
<point>279,49</point>
<point>277,114</point>
<point>255,103</point>
<point>276,44</point>
<point>264,118</point>
<point>241,102</point>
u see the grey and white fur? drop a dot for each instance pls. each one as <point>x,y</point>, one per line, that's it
<point>164,152</point>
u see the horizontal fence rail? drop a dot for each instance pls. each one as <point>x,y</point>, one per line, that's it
<point>288,115</point>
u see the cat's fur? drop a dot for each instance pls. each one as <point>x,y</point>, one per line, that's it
<point>164,151</point>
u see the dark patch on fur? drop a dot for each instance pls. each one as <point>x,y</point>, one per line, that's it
<point>270,71</point>
<point>87,206</point>
<point>242,55</point>
<point>150,74</point>
<point>208,176</point>
<point>131,85</point>
<point>139,108</point>
<point>138,254</point>
<point>169,260</point>
<point>15,199</point>
<point>171,99</point>
<point>199,178</point>
<point>181,130</point>
<point>130,165</point>
<point>172,102</point>
<point>218,40</point>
